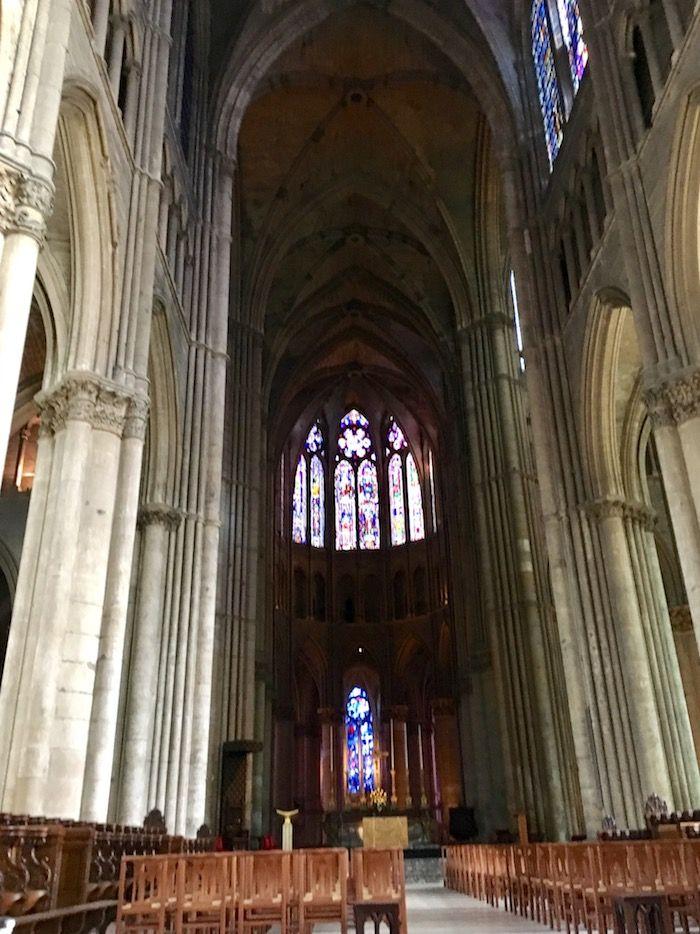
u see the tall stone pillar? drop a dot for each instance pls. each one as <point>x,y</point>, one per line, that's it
<point>47,707</point>
<point>34,52</point>
<point>156,522</point>
<point>447,755</point>
<point>399,714</point>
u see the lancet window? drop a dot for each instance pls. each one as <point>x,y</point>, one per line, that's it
<point>308,501</point>
<point>359,731</point>
<point>560,58</point>
<point>356,486</point>
<point>407,518</point>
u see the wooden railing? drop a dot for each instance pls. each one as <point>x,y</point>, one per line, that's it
<point>576,884</point>
<point>53,870</point>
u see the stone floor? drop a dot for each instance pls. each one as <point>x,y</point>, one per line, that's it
<point>434,909</point>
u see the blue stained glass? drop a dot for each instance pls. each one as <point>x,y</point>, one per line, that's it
<point>572,31</point>
<point>360,742</point>
<point>415,500</point>
<point>299,504</point>
<point>318,505</point>
<point>368,506</point>
<point>547,83</point>
<point>345,519</point>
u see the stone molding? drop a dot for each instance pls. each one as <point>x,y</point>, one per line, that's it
<point>612,508</point>
<point>136,420</point>
<point>84,397</point>
<point>159,514</point>
<point>25,202</point>
<point>676,400</point>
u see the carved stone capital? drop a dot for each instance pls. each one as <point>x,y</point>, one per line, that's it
<point>136,418</point>
<point>607,508</point>
<point>612,508</point>
<point>84,397</point>
<point>675,400</point>
<point>25,202</point>
<point>159,514</point>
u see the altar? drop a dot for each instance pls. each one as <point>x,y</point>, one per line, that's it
<point>385,832</point>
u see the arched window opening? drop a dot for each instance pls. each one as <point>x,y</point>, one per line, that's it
<point>299,503</point>
<point>299,594</point>
<point>556,30</point>
<point>642,77</point>
<point>308,501</point>
<point>345,524</point>
<point>551,103</point>
<point>356,486</point>
<point>415,500</point>
<point>396,500</point>
<point>360,743</point>
<point>319,597</point>
<point>368,505</point>
<point>400,609</point>
<point>318,512</point>
<point>516,321</point>
<point>405,494</point>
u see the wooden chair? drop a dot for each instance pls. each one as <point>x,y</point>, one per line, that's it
<point>147,893</point>
<point>206,893</point>
<point>264,895</point>
<point>321,887</point>
<point>378,876</point>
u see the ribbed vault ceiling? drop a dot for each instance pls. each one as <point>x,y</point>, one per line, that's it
<point>361,154</point>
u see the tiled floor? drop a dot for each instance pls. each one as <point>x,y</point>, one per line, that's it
<point>434,909</point>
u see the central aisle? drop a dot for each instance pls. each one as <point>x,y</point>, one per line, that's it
<point>434,909</point>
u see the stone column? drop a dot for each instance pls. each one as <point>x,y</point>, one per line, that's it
<point>97,783</point>
<point>25,202</point>
<point>156,521</point>
<point>447,754</point>
<point>62,598</point>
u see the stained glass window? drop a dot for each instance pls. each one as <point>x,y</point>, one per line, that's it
<point>318,505</point>
<point>360,742</point>
<point>345,520</point>
<point>299,503</point>
<point>354,441</point>
<point>396,502</point>
<point>547,84</point>
<point>415,500</point>
<point>314,440</point>
<point>396,438</point>
<point>572,32</point>
<point>368,505</point>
